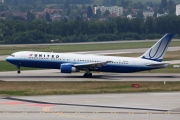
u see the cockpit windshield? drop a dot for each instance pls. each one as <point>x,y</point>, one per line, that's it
<point>12,55</point>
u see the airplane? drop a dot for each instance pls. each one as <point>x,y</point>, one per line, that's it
<point>68,62</point>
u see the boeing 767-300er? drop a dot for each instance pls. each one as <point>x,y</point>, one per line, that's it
<point>68,63</point>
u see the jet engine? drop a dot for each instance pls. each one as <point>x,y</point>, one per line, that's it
<point>66,68</point>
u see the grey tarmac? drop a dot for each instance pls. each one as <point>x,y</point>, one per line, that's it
<point>133,106</point>
<point>55,75</point>
<point>136,106</point>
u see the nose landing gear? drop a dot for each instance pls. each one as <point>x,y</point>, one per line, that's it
<point>18,70</point>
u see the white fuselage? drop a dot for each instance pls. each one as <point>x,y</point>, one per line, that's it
<point>55,60</point>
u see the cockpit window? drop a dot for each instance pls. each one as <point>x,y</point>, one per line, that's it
<point>12,55</point>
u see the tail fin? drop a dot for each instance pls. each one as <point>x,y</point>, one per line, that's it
<point>158,50</point>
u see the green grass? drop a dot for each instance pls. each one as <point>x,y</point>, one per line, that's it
<point>5,66</point>
<point>88,87</point>
<point>79,47</point>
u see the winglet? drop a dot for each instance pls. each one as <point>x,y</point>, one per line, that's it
<point>158,50</point>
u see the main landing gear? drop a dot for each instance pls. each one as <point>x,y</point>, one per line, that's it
<point>87,74</point>
<point>18,70</point>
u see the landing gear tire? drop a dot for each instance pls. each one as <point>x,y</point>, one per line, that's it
<point>18,72</point>
<point>87,75</point>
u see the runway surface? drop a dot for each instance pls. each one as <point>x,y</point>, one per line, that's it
<point>77,43</point>
<point>129,106</point>
<point>55,75</point>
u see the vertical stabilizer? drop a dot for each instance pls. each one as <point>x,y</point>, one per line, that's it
<point>158,50</point>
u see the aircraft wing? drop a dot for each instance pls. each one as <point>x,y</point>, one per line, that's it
<point>158,64</point>
<point>91,65</point>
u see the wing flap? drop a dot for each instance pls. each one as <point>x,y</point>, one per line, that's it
<point>93,64</point>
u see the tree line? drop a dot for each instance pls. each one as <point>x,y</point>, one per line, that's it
<point>39,31</point>
<point>32,2</point>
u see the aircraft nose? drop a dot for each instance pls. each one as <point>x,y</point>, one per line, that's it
<point>8,59</point>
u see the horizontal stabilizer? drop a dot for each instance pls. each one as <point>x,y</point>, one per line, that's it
<point>158,64</point>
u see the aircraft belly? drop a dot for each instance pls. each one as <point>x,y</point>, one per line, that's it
<point>121,69</point>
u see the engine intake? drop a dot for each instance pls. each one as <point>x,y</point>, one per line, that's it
<point>65,68</point>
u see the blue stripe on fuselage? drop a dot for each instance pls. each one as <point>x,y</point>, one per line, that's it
<point>55,64</point>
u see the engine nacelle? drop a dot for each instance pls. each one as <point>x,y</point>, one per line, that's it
<point>65,68</point>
